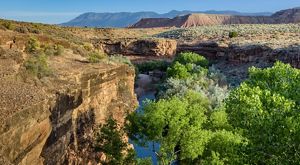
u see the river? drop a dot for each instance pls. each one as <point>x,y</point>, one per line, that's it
<point>146,152</point>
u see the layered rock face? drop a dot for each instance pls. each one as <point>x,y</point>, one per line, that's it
<point>234,60</point>
<point>245,53</point>
<point>193,20</point>
<point>53,121</point>
<point>141,47</point>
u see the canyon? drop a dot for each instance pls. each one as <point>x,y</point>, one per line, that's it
<point>52,119</point>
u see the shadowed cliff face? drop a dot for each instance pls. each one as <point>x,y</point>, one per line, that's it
<point>56,117</point>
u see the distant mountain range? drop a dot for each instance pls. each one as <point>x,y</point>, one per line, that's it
<point>125,19</point>
<point>193,20</point>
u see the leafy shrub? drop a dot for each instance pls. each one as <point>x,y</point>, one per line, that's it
<point>32,45</point>
<point>95,57</point>
<point>53,50</point>
<point>233,34</point>
<point>88,46</point>
<point>265,108</point>
<point>178,70</point>
<point>21,29</point>
<point>37,66</point>
<point>8,25</point>
<point>191,58</point>
<point>59,50</point>
<point>48,50</point>
<point>34,30</point>
<point>153,65</point>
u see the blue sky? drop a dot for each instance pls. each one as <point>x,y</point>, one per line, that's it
<point>58,11</point>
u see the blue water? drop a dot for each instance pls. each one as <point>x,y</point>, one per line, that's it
<point>146,152</point>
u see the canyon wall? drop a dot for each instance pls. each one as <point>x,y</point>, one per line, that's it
<point>240,54</point>
<point>140,47</point>
<point>56,127</point>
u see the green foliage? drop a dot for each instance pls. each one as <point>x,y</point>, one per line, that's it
<point>87,46</point>
<point>95,57</point>
<point>59,50</point>
<point>178,71</point>
<point>145,161</point>
<point>109,140</point>
<point>185,129</point>
<point>152,65</point>
<point>32,45</point>
<point>8,25</point>
<point>191,58</point>
<point>233,34</point>
<point>265,109</point>
<point>187,64</point>
<point>21,30</point>
<point>37,65</point>
<point>53,50</point>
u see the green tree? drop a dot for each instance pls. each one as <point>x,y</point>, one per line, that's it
<point>265,109</point>
<point>191,58</point>
<point>187,129</point>
<point>178,71</point>
<point>109,140</point>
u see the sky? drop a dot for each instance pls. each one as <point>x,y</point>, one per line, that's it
<point>59,11</point>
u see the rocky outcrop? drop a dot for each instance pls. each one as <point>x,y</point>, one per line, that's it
<point>245,53</point>
<point>193,20</point>
<point>52,122</point>
<point>141,47</point>
<point>234,60</point>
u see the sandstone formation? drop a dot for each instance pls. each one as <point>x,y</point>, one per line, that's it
<point>234,60</point>
<point>52,120</point>
<point>141,47</point>
<point>193,20</point>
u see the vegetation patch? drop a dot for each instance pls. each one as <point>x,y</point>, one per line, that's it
<point>37,65</point>
<point>95,57</point>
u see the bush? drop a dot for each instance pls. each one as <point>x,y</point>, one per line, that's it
<point>191,58</point>
<point>21,30</point>
<point>96,57</point>
<point>34,30</point>
<point>8,25</point>
<point>233,34</point>
<point>88,46</point>
<point>37,66</point>
<point>59,50</point>
<point>32,45</point>
<point>178,71</point>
